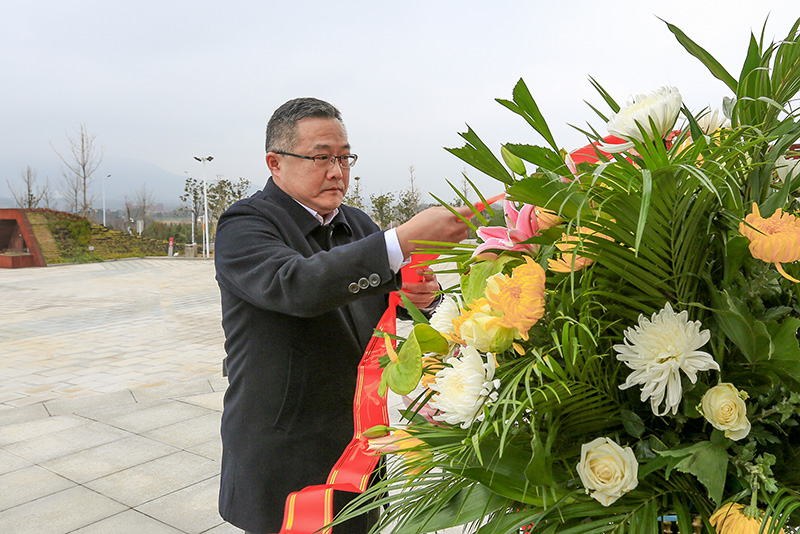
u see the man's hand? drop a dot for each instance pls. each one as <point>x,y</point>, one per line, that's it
<point>433,224</point>
<point>423,293</point>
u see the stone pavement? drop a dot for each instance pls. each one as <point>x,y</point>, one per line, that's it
<point>110,399</point>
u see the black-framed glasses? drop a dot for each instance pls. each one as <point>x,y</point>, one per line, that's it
<point>326,160</point>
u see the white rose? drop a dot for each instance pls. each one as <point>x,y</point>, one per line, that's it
<point>608,470</point>
<point>478,328</point>
<point>723,406</point>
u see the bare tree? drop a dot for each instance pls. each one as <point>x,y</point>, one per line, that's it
<point>130,210</point>
<point>47,196</point>
<point>79,166</point>
<point>143,201</point>
<point>29,197</point>
<point>408,201</point>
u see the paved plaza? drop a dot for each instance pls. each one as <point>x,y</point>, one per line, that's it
<point>110,398</point>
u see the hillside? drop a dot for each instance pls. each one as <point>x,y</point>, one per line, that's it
<point>67,238</point>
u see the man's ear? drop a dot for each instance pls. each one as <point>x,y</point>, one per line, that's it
<point>273,162</point>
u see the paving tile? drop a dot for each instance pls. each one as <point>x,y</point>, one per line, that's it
<point>210,449</point>
<point>28,484</point>
<point>69,441</point>
<point>59,513</point>
<point>9,462</point>
<point>172,391</point>
<point>224,528</point>
<point>185,434</point>
<point>212,401</point>
<point>108,458</point>
<point>192,509</point>
<point>23,431</point>
<point>23,415</point>
<point>156,416</point>
<point>154,479</point>
<point>128,522</point>
<point>65,406</point>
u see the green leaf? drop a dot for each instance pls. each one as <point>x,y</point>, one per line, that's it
<point>540,468</point>
<point>525,105</point>
<point>477,154</point>
<point>473,283</point>
<point>707,59</point>
<point>633,424</point>
<point>644,208</point>
<point>468,504</point>
<point>705,460</point>
<point>412,310</point>
<point>540,156</point>
<point>403,375</point>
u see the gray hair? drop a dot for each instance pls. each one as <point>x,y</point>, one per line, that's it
<point>282,126</point>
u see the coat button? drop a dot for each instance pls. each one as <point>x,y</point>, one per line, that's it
<point>363,283</point>
<point>353,287</point>
<point>374,280</point>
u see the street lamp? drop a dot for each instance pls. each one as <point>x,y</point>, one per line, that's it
<point>104,198</point>
<point>206,242</point>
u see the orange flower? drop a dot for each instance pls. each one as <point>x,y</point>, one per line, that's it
<point>731,519</point>
<point>430,365</point>
<point>773,240</point>
<point>570,261</point>
<point>520,297</point>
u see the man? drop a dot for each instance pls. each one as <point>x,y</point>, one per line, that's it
<point>304,280</point>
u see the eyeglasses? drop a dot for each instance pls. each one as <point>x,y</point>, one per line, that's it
<point>326,160</point>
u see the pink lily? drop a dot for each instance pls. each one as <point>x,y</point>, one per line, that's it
<point>521,225</point>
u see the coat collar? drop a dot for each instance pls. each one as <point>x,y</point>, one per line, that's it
<point>304,220</point>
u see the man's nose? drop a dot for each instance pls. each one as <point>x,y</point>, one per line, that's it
<point>335,170</point>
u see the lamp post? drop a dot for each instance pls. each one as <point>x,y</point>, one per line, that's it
<point>206,242</point>
<point>104,198</point>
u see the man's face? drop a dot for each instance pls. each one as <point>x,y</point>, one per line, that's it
<point>319,186</point>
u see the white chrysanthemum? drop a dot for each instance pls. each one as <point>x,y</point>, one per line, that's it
<point>446,312</point>
<point>658,350</point>
<point>463,387</point>
<point>712,121</point>
<point>662,107</point>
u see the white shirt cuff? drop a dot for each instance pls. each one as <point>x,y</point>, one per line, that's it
<point>393,250</point>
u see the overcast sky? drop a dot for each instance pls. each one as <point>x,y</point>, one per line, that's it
<point>159,82</point>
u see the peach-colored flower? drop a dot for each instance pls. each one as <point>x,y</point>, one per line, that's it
<point>775,239</point>
<point>520,297</point>
<point>731,519</point>
<point>570,261</point>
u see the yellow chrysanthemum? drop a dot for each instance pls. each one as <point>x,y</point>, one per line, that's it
<point>731,519</point>
<point>570,261</point>
<point>520,297</point>
<point>773,240</point>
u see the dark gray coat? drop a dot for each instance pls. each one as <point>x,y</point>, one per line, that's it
<point>295,331</point>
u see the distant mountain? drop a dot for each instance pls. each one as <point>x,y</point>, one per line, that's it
<point>127,177</point>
